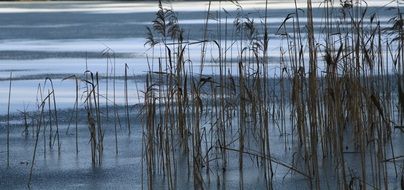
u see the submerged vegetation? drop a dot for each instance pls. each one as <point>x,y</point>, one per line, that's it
<point>323,105</point>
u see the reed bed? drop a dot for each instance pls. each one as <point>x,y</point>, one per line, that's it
<point>332,91</point>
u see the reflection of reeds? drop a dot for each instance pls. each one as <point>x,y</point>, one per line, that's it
<point>25,114</point>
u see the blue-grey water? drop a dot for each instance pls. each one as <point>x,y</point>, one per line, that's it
<point>62,39</point>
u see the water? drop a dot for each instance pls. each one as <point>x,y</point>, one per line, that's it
<point>63,39</point>
<point>60,39</point>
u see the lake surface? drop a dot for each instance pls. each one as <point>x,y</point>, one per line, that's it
<point>60,39</point>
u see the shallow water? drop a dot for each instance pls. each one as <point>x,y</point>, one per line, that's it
<point>68,170</point>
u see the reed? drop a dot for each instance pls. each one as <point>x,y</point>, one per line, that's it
<point>8,121</point>
<point>39,123</point>
<point>50,121</point>
<point>56,113</point>
<point>75,108</point>
<point>116,114</point>
<point>107,53</point>
<point>126,97</point>
<point>76,103</point>
<point>93,119</point>
<point>329,110</point>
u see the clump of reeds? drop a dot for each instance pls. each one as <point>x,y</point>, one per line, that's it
<point>347,104</point>
<point>94,119</point>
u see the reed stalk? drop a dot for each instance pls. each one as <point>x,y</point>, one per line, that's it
<point>127,98</point>
<point>8,121</point>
